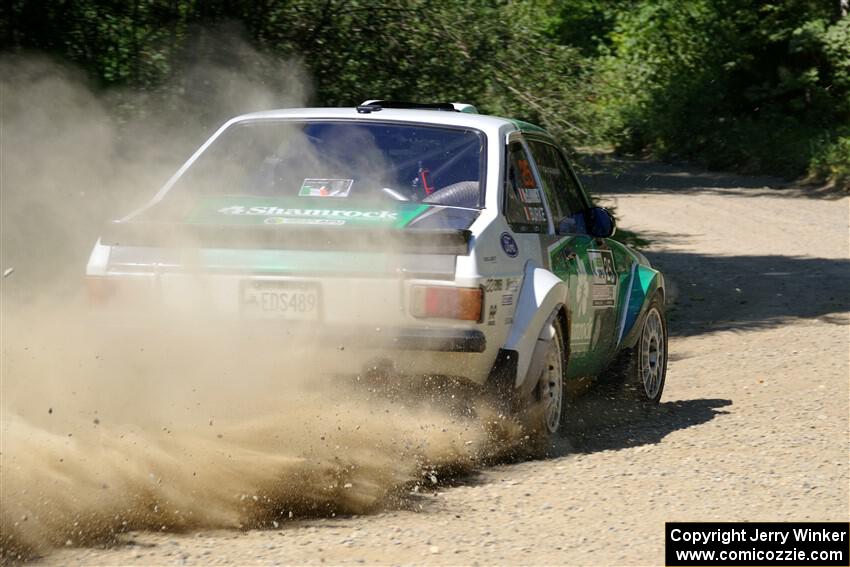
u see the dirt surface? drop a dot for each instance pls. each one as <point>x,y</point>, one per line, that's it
<point>753,424</point>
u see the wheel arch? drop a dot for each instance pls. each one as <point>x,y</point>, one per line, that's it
<point>645,283</point>
<point>543,296</point>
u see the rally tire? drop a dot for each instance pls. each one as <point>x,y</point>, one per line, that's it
<point>551,387</point>
<point>645,369</point>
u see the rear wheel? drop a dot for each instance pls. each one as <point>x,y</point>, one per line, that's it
<point>550,387</point>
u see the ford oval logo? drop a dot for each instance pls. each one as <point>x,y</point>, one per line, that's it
<point>509,245</point>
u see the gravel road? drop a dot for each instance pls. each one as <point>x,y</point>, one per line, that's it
<point>753,424</point>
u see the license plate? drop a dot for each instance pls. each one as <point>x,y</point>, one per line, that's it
<point>281,300</point>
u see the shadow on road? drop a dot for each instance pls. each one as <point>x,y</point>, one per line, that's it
<point>715,293</point>
<point>601,421</point>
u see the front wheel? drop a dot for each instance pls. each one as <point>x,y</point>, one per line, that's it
<point>647,366</point>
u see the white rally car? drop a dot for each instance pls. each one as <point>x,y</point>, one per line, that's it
<point>431,239</point>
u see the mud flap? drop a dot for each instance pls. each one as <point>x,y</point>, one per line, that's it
<point>501,381</point>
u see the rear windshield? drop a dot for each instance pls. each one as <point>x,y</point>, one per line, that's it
<point>340,162</point>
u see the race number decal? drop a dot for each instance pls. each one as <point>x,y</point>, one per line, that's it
<point>525,175</point>
<point>604,291</point>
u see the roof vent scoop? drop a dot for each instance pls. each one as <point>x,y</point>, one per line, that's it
<point>463,107</point>
<point>368,107</point>
<point>375,105</point>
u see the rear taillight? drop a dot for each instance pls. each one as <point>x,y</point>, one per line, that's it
<point>100,290</point>
<point>446,302</point>
<point>105,289</point>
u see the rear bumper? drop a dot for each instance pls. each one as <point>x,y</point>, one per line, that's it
<point>324,349</point>
<point>419,339</point>
<point>434,340</point>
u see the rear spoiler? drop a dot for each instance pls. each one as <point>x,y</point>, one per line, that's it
<point>301,237</point>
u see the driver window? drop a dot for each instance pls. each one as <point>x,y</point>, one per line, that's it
<point>523,203</point>
<point>562,192</point>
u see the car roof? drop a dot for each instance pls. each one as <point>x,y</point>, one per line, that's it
<point>445,118</point>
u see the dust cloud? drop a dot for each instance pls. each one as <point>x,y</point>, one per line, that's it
<point>208,430</point>
<point>73,157</point>
<point>183,426</point>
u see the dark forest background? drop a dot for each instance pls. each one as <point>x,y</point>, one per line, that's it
<point>751,85</point>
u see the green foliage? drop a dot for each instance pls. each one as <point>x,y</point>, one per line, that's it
<point>733,83</point>
<point>832,160</point>
<point>495,55</point>
<point>749,84</point>
<point>584,24</point>
<point>117,42</point>
<point>835,43</point>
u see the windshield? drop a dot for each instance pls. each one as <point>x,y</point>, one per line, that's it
<point>340,162</point>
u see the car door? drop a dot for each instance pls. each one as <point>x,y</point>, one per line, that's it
<point>615,258</point>
<point>587,264</point>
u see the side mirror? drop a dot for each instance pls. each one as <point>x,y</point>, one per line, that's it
<point>600,222</point>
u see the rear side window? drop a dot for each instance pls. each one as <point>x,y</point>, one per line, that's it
<point>523,200</point>
<point>562,190</point>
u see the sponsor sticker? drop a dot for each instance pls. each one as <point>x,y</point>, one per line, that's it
<point>250,209</point>
<point>535,214</point>
<point>602,266</point>
<point>238,210</point>
<point>530,195</point>
<point>509,245</point>
<point>603,295</point>
<point>284,220</point>
<point>604,277</point>
<point>312,187</point>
